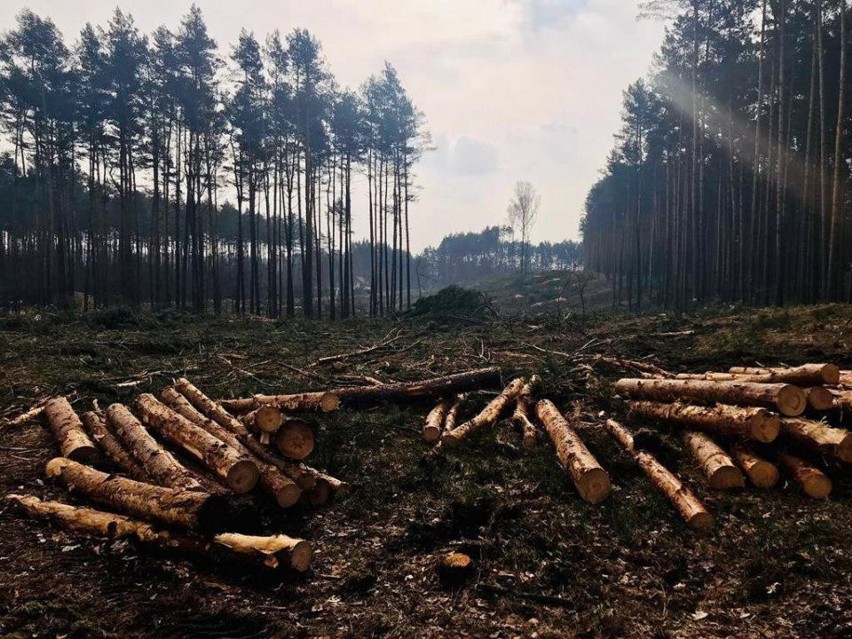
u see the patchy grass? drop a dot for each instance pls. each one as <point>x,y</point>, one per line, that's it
<point>546,562</point>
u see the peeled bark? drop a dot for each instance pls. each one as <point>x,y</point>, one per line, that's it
<point>487,418</point>
<point>761,473</point>
<point>729,421</point>
<point>521,416</point>
<point>273,551</point>
<point>112,448</point>
<point>589,477</point>
<point>435,421</point>
<point>452,416</point>
<point>358,396</point>
<point>159,464</point>
<point>239,473</point>
<point>24,418</point>
<point>274,482</point>
<point>806,375</point>
<point>68,430</point>
<point>685,502</point>
<point>819,398</point>
<point>182,508</point>
<point>787,399</point>
<point>813,482</point>
<point>295,439</point>
<point>266,419</point>
<point>819,437</point>
<point>715,463</point>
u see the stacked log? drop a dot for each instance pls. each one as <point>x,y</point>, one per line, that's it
<point>753,423</point>
<point>715,463</point>
<point>813,482</point>
<point>760,472</point>
<point>521,416</point>
<point>818,437</point>
<point>787,399</point>
<point>435,421</point>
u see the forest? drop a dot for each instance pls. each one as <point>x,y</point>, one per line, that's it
<point>728,178</point>
<point>123,154</point>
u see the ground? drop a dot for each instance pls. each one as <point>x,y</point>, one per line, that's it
<point>547,564</point>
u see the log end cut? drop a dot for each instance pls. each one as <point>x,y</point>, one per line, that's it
<point>820,398</point>
<point>454,568</point>
<point>726,478</point>
<point>329,402</point>
<point>817,486</point>
<point>791,400</point>
<point>763,474</point>
<point>295,439</point>
<point>242,476</point>
<point>701,521</point>
<point>765,426</point>
<point>431,433</point>
<point>594,485</point>
<point>268,419</point>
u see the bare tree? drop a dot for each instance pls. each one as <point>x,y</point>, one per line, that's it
<point>523,211</point>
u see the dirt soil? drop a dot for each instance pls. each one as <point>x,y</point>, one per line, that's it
<point>546,563</point>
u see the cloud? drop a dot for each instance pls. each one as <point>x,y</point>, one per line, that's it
<point>471,157</point>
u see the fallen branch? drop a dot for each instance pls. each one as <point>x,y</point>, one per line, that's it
<point>487,418</point>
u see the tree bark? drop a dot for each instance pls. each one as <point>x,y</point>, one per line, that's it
<point>68,430</point>
<point>435,421</point>
<point>521,416</point>
<point>729,421</point>
<point>272,480</point>
<point>805,375</point>
<point>813,482</point>
<point>789,400</point>
<point>715,463</point>
<point>182,508</point>
<point>239,473</point>
<point>818,437</point>
<point>274,551</point>
<point>112,448</point>
<point>685,502</point>
<point>487,418</point>
<point>159,464</point>
<point>589,477</point>
<point>761,473</point>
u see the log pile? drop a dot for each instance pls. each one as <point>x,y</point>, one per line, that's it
<point>763,424</point>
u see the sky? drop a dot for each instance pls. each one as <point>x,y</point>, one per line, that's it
<point>511,89</point>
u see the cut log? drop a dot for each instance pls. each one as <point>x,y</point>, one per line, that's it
<point>239,473</point>
<point>266,419</point>
<point>321,401</point>
<point>589,477</point>
<point>819,437</point>
<point>113,450</point>
<point>295,439</point>
<point>729,421</point>
<point>451,420</point>
<point>521,416</point>
<point>68,430</point>
<point>182,508</point>
<point>435,421</point>
<point>715,463</point>
<point>304,477</point>
<point>487,418</point>
<point>806,375</point>
<point>159,464</point>
<point>813,482</point>
<point>454,568</point>
<point>274,482</point>
<point>788,399</point>
<point>359,396</point>
<point>277,550</point>
<point>685,502</point>
<point>273,551</point>
<point>819,398</point>
<point>760,473</point>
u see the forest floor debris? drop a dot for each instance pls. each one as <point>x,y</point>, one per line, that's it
<point>545,561</point>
